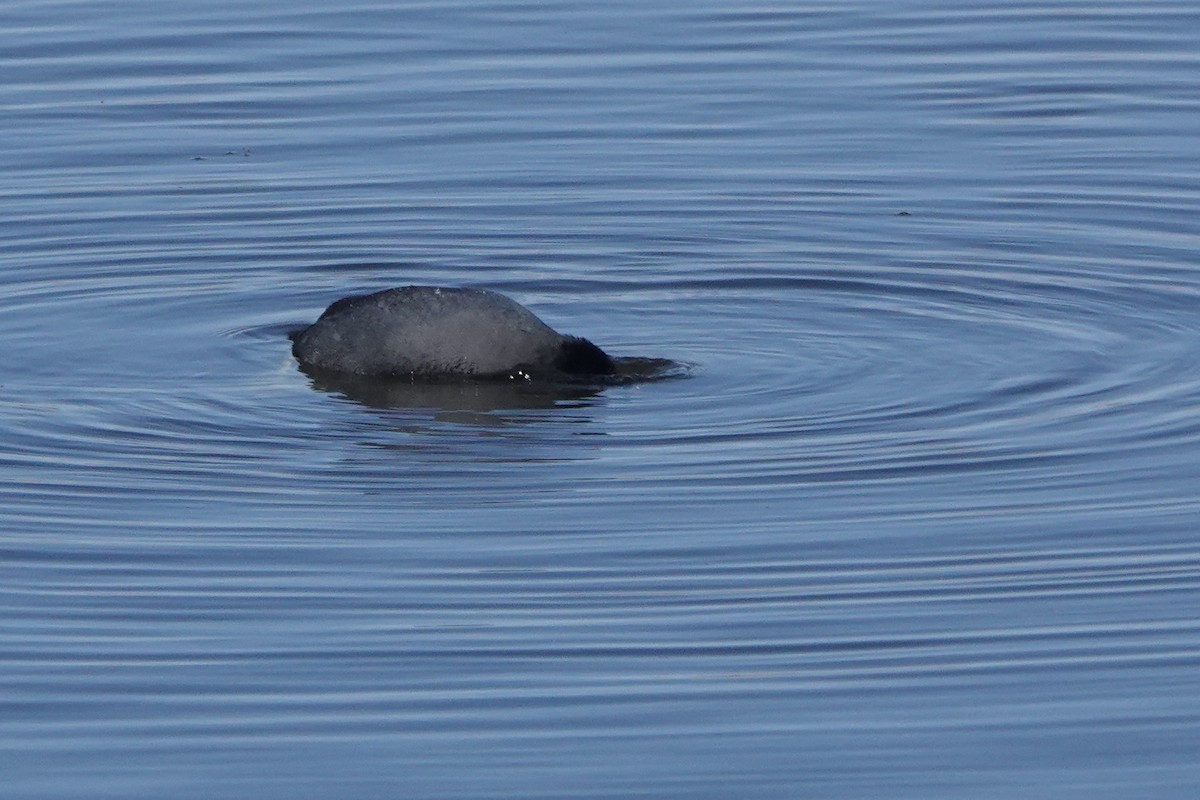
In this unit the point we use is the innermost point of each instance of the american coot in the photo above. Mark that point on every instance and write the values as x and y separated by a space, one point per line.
431 332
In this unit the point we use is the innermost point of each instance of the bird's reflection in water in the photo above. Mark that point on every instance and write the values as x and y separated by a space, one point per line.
479 397
460 396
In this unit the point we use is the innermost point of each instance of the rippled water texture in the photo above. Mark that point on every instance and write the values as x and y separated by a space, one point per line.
917 517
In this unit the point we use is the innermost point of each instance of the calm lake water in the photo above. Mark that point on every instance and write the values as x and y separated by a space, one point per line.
920 521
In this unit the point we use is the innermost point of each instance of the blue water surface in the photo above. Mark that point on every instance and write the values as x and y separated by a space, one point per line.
919 520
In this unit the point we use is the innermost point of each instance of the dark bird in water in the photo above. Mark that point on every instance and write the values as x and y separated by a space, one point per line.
433 332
